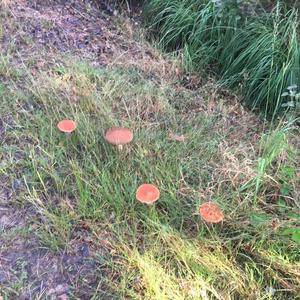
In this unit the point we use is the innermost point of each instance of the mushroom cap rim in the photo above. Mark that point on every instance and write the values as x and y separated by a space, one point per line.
153 189
119 135
67 125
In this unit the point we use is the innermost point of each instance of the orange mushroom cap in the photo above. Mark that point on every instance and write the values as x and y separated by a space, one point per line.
67 126
119 136
147 193
211 212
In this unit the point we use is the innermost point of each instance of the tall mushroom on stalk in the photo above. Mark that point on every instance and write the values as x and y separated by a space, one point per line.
211 212
147 193
66 126
119 136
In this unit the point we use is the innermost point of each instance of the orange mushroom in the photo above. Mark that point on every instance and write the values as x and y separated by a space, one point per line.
147 193
211 212
119 136
67 126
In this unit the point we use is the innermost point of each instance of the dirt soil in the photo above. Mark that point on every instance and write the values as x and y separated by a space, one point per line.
90 31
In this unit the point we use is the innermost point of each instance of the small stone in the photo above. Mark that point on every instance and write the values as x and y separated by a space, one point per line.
4 222
84 250
3 279
58 290
17 183
272 291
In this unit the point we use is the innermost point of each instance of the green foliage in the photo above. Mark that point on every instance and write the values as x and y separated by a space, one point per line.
294 233
256 54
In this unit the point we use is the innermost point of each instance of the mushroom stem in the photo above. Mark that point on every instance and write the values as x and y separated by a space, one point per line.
152 212
68 136
120 147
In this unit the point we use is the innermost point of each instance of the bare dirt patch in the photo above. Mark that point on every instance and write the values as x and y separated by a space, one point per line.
29 270
44 29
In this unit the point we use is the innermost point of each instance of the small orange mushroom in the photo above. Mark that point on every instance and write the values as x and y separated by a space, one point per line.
119 136
67 126
147 193
211 212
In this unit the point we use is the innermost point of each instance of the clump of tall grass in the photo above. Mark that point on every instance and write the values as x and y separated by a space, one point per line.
256 54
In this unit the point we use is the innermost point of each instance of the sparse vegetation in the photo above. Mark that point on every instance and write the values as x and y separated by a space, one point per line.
70 223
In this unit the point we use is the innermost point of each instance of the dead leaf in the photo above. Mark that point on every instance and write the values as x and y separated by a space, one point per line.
33 226
62 297
177 72
275 224
176 137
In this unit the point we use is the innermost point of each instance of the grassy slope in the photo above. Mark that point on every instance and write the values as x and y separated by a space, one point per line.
80 183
